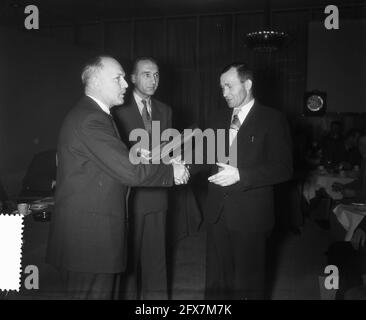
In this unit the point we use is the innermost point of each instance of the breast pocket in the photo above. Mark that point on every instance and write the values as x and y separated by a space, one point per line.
251 146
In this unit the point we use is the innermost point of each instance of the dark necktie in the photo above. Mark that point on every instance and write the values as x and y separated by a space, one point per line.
146 117
235 123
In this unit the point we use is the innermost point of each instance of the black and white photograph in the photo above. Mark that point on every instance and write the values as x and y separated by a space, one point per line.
192 151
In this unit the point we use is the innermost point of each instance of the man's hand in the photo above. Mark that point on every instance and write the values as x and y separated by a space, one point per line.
358 238
181 174
226 176
177 160
146 154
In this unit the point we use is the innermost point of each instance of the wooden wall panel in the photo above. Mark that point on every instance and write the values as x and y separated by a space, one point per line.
215 41
90 36
191 50
290 62
181 43
118 40
150 39
64 33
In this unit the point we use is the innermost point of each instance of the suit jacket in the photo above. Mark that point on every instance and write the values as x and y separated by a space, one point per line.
264 158
87 231
128 118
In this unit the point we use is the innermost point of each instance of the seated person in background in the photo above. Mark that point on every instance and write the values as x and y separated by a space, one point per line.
350 258
40 175
332 143
359 236
349 155
357 188
313 155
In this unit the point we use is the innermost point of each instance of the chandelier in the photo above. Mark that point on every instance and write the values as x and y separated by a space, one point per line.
268 39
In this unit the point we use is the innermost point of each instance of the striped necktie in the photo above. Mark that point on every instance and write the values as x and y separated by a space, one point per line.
146 117
235 122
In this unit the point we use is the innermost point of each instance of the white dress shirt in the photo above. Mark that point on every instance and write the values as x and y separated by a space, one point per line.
242 112
140 105
101 104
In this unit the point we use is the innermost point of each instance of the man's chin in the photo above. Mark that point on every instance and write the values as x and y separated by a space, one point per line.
120 102
151 92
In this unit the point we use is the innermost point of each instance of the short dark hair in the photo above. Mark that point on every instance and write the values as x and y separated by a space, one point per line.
92 66
243 70
139 59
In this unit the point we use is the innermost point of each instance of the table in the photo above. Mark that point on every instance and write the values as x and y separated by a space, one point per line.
349 216
318 180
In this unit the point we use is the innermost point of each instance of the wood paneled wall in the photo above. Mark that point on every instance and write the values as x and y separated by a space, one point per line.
191 50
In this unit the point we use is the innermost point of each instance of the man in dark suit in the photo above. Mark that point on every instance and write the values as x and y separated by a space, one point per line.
87 238
239 210
148 205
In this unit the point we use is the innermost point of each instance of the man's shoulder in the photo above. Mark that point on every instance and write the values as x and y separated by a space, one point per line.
266 109
163 107
268 113
126 108
84 110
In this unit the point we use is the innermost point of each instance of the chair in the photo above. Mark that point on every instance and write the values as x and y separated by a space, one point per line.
38 181
320 208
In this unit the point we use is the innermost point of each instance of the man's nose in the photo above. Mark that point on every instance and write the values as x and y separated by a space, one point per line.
124 83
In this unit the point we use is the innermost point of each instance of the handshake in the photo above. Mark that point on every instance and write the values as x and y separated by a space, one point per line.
181 173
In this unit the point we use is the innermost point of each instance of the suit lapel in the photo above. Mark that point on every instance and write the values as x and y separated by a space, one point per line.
93 104
136 118
156 112
115 128
248 123
246 129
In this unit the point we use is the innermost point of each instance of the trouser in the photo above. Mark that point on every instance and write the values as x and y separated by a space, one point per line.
235 263
148 277
91 286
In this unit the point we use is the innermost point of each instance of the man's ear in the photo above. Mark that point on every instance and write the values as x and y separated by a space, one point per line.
133 78
94 81
248 84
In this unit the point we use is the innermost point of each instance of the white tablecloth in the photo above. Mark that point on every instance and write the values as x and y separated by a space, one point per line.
349 216
317 181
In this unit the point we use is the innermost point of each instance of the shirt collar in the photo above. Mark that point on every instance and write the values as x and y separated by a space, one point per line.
102 105
139 103
243 110
244 107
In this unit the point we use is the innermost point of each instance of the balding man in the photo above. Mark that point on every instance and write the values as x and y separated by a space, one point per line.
87 238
